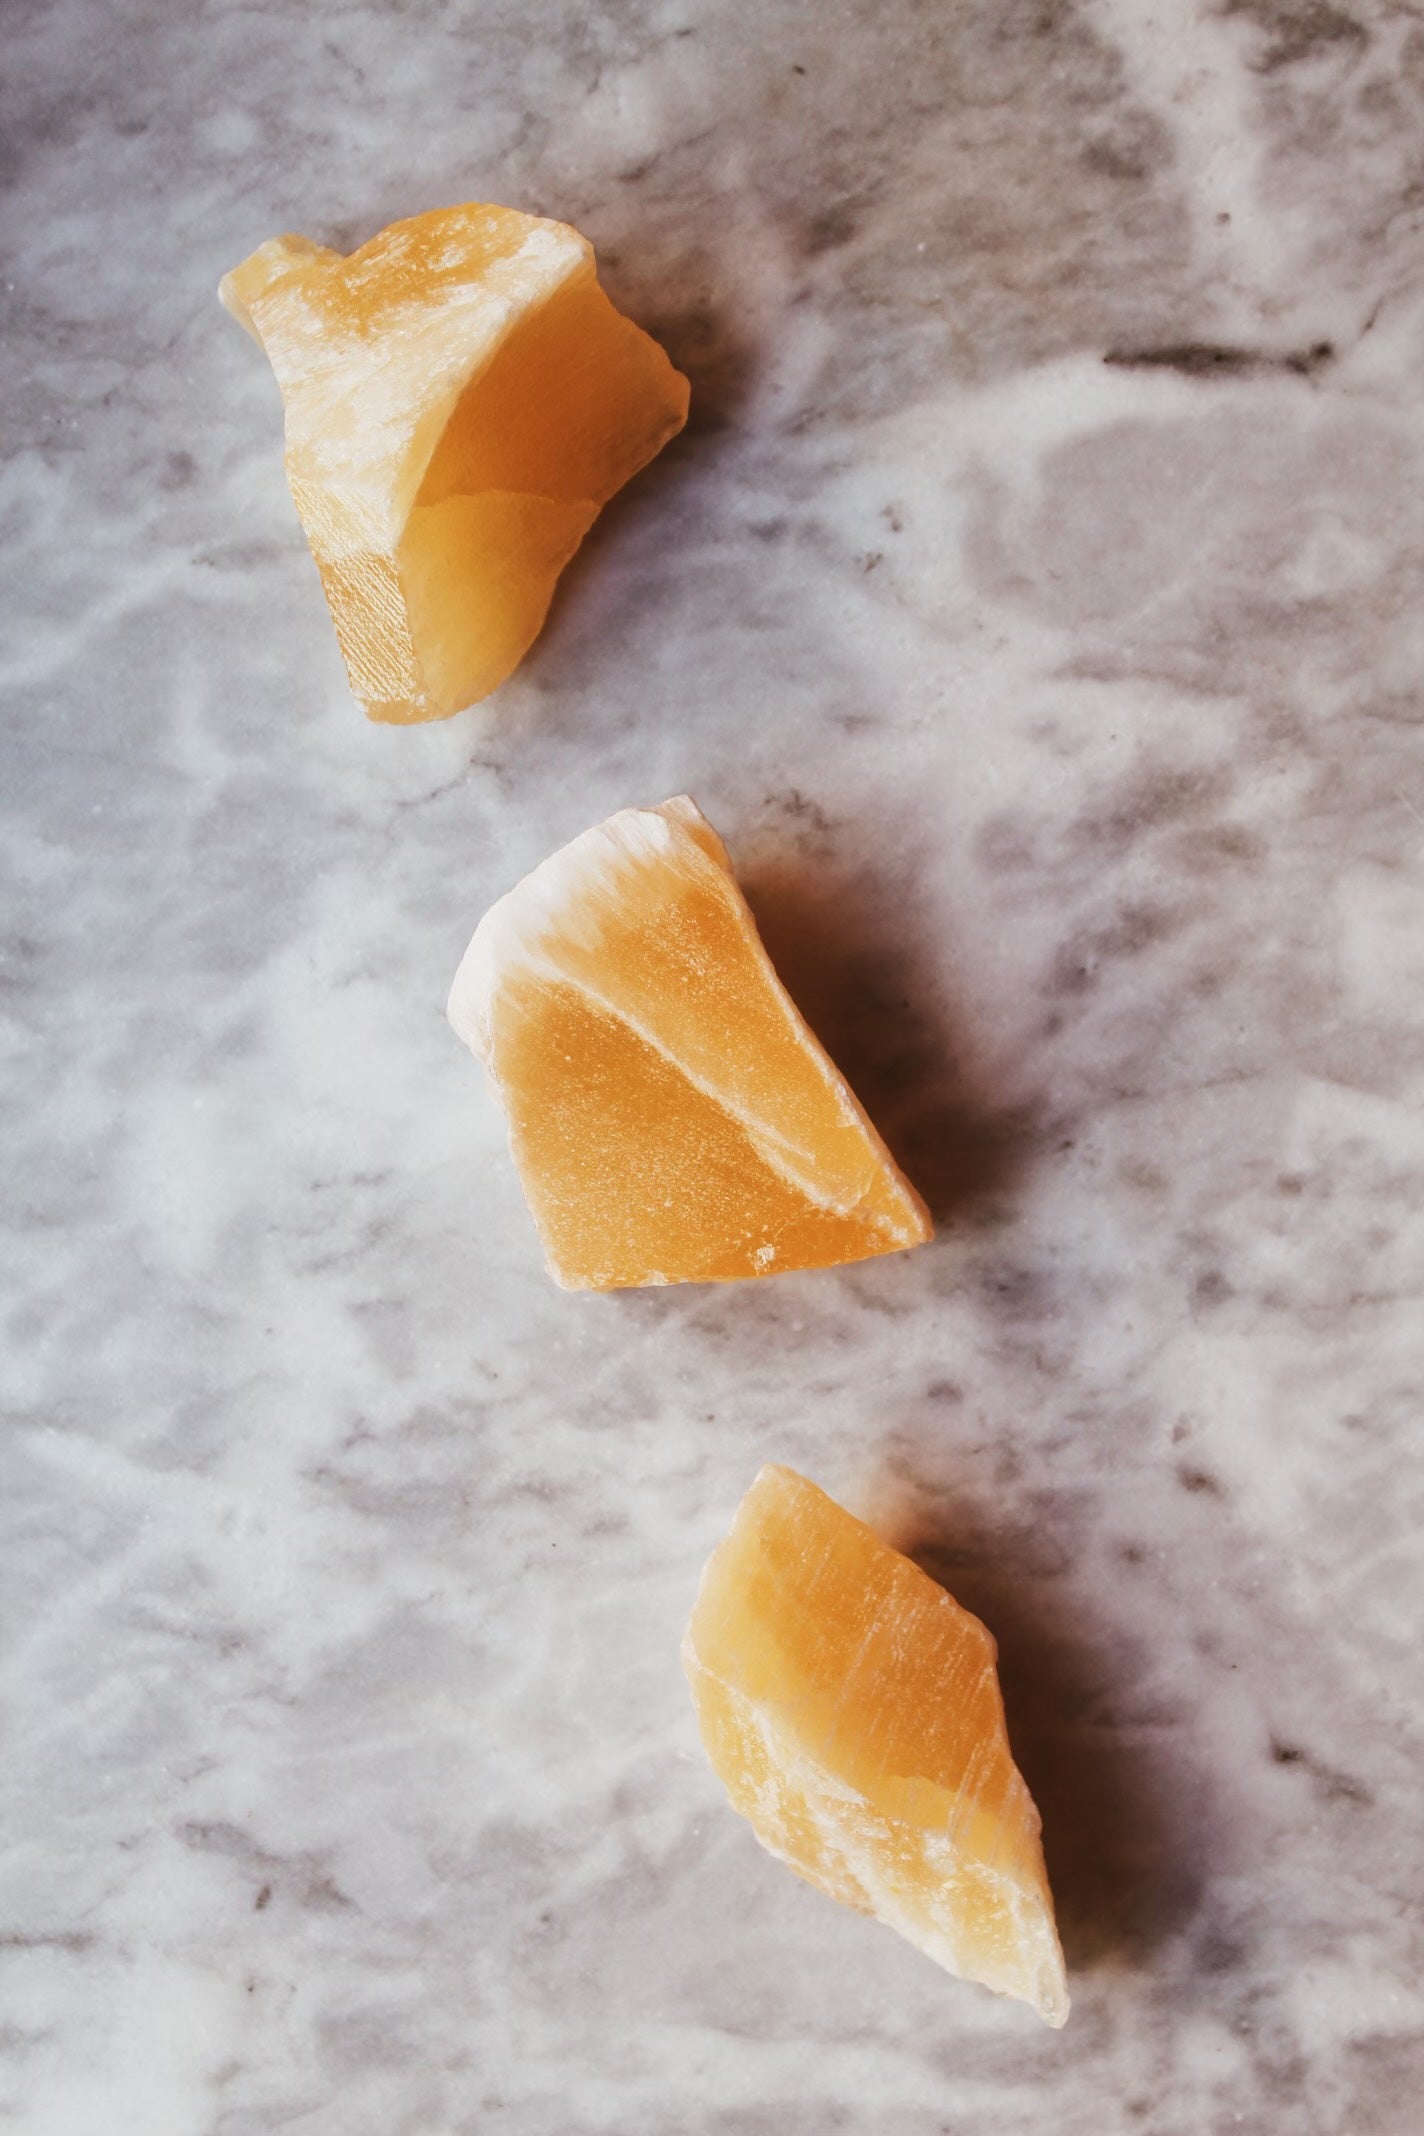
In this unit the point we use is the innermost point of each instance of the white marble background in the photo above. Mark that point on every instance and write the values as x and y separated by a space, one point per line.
1037 607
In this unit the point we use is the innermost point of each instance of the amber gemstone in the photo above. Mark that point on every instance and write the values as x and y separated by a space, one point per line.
672 1117
851 1709
461 399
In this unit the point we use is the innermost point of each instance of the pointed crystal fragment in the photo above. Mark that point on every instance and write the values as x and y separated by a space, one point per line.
851 1709
672 1117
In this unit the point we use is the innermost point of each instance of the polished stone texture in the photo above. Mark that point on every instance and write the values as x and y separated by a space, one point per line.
1036 605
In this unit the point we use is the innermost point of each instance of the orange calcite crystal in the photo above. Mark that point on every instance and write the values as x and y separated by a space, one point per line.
461 398
852 1711
672 1117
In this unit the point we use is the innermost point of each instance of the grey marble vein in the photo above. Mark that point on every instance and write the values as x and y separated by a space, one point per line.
1036 604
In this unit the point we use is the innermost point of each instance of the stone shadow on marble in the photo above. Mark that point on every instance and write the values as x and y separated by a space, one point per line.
865 995
1123 1821
718 365
717 361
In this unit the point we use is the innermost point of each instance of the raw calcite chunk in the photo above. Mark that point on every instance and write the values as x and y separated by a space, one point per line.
461 398
852 1710
672 1117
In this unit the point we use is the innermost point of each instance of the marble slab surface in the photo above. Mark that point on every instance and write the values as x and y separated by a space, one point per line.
1036 605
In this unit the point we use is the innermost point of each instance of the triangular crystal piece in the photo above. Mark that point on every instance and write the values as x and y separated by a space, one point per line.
672 1117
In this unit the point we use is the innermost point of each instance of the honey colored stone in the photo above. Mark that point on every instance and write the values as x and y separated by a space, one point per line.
461 399
672 1117
851 1709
